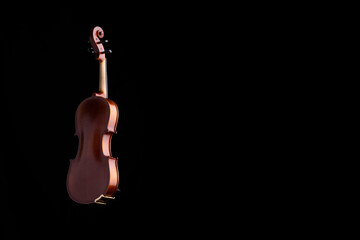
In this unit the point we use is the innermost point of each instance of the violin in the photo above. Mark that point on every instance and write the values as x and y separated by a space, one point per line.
93 175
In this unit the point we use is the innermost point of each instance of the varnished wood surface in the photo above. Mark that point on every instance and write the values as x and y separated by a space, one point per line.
95 35
94 172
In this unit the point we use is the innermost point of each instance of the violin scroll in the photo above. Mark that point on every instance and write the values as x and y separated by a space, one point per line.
97 45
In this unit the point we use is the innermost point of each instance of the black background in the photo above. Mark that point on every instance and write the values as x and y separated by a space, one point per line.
179 133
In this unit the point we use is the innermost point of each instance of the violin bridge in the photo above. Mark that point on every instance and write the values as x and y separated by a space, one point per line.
103 199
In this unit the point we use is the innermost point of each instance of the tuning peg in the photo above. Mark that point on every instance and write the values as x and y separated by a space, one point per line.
91 50
108 51
105 41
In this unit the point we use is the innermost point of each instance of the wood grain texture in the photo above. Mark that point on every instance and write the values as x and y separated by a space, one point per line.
94 172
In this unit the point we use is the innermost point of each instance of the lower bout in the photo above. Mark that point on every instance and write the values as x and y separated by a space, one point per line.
114 177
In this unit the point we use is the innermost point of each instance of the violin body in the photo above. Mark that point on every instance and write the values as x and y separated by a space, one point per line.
93 174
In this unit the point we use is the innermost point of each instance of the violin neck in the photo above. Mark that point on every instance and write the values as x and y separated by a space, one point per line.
103 86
